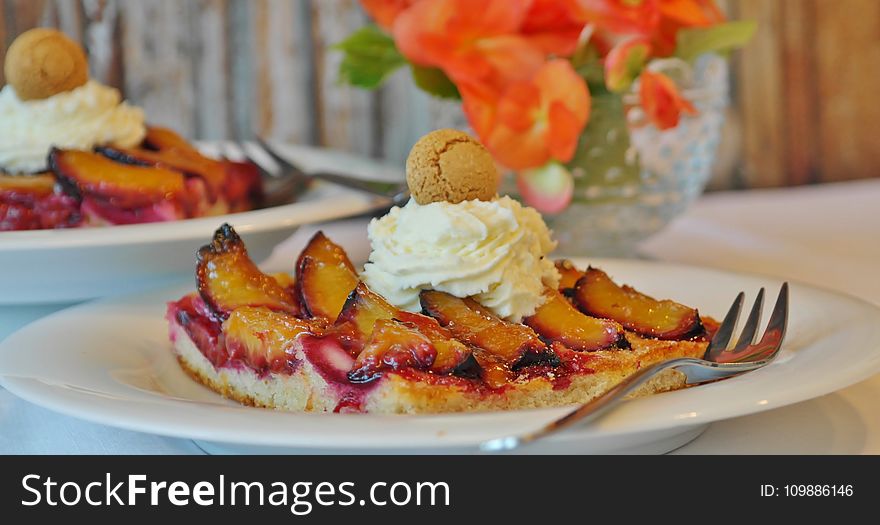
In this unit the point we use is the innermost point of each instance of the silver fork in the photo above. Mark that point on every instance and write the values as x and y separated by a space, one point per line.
290 180
280 186
717 363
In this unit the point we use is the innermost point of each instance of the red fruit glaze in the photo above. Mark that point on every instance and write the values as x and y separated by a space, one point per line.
54 211
203 328
333 362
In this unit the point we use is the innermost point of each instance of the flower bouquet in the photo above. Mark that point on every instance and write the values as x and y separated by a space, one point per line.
603 104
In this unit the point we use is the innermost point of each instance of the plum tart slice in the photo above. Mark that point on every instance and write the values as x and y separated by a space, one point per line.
322 341
163 179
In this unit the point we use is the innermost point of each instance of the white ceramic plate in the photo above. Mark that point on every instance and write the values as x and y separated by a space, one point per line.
64 266
110 362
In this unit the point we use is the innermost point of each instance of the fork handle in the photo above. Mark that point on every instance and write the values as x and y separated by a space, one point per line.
697 371
586 412
380 188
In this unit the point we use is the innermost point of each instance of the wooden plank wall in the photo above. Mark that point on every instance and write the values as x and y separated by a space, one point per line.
804 90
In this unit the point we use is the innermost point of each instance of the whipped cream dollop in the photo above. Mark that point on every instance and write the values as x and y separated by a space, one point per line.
81 118
495 251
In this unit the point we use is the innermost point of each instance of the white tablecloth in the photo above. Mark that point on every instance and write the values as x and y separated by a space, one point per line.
826 235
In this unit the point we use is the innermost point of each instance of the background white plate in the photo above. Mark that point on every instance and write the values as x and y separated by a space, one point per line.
63 266
110 362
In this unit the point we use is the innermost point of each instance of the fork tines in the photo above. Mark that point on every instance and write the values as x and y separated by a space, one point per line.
745 347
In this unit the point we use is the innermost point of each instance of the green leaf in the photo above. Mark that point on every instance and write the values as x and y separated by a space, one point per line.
434 81
691 43
370 56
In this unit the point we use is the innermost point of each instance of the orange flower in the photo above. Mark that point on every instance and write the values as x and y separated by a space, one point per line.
661 100
384 12
691 13
621 16
534 120
659 20
680 14
479 102
553 26
471 43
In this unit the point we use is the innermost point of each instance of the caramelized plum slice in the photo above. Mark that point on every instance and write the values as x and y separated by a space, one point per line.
360 312
213 172
392 345
241 183
364 308
124 185
227 278
597 295
325 278
451 354
163 139
492 369
569 275
37 185
243 187
413 343
262 337
285 280
515 344
324 250
558 321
